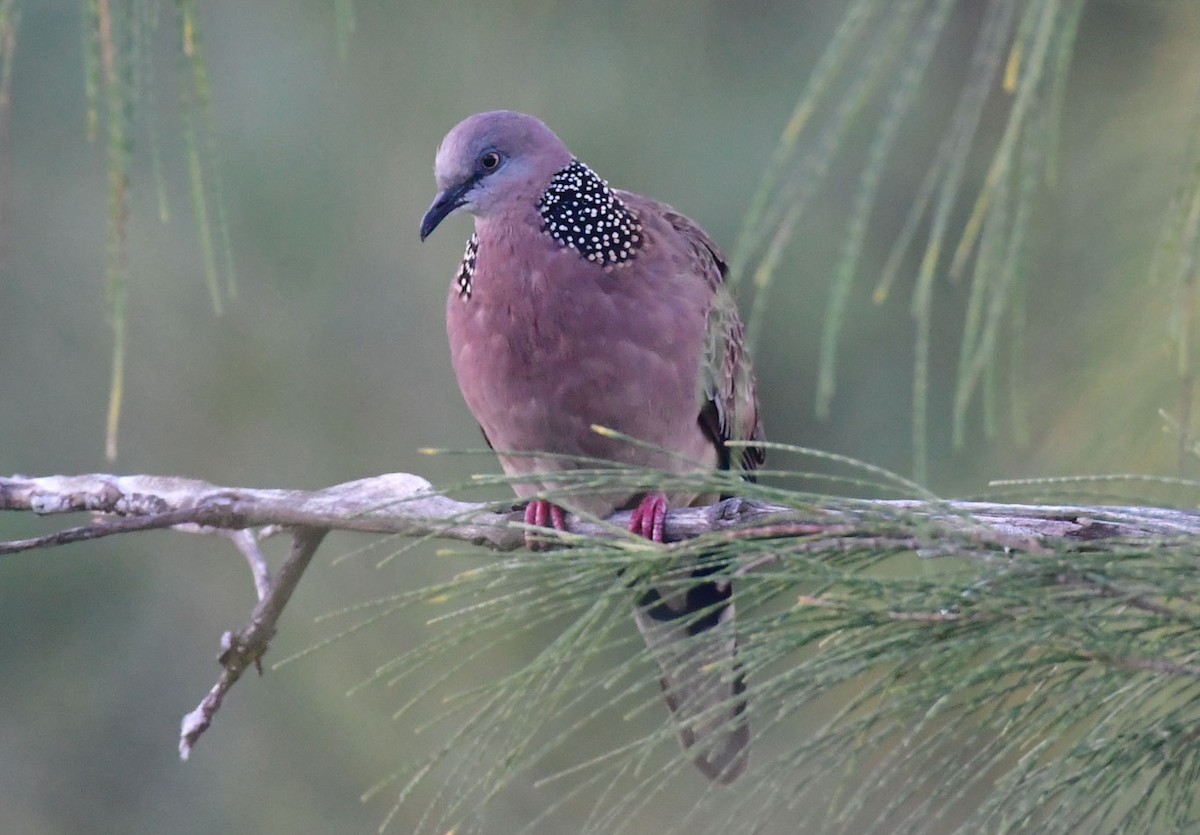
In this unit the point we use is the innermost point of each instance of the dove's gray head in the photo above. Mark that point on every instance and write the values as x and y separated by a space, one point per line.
491 163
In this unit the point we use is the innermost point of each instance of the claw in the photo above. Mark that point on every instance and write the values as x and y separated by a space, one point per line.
543 514
649 517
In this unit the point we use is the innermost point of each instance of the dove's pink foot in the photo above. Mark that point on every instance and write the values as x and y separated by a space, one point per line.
544 514
649 517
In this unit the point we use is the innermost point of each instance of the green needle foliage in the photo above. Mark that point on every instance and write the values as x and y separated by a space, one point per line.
871 78
903 676
1176 265
119 37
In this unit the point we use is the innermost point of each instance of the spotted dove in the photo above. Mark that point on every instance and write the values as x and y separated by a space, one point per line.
578 305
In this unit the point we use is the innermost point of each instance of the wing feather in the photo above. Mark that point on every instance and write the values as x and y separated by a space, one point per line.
729 407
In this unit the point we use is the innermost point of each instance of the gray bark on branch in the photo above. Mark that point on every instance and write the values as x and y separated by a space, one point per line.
405 504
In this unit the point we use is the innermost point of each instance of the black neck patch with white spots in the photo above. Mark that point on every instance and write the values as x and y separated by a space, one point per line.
466 270
579 210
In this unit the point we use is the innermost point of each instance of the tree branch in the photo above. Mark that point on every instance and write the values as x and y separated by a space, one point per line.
405 504
248 646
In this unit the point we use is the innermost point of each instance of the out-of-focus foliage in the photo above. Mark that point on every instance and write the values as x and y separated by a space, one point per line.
882 52
121 79
330 362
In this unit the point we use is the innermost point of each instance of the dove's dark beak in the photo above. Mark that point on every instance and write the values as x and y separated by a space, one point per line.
443 205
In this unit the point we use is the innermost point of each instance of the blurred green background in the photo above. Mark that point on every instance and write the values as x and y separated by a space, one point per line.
331 365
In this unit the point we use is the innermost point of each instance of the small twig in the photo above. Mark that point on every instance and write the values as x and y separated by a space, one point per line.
890 614
98 530
1135 601
250 644
247 543
1148 665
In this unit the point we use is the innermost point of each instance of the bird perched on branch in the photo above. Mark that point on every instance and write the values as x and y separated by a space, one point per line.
578 306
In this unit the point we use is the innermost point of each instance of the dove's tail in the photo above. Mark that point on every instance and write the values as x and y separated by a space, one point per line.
690 633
